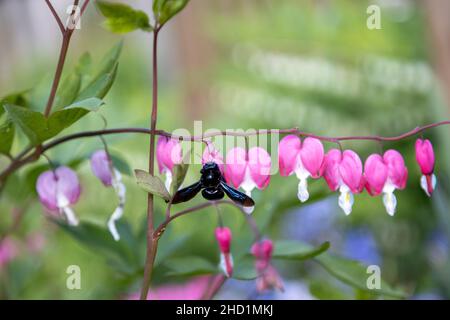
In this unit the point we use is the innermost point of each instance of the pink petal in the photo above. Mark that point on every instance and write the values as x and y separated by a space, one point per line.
288 150
173 154
397 171
46 189
259 164
312 155
350 170
101 168
160 152
223 236
330 168
375 173
211 154
236 164
425 156
68 184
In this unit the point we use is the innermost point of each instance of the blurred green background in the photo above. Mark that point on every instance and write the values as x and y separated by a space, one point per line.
240 64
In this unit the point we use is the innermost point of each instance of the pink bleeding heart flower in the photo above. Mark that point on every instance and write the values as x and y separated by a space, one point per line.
168 154
305 160
212 154
223 236
268 277
386 174
425 159
103 169
57 190
343 171
248 171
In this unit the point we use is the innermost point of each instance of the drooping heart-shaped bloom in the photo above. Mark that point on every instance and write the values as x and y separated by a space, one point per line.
212 154
248 170
425 159
268 277
57 190
103 168
386 174
305 160
168 154
343 171
223 236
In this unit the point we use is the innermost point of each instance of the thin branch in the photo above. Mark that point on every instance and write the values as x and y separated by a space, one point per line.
55 15
21 160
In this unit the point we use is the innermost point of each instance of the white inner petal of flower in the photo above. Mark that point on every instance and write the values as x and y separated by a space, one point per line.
223 263
120 190
346 199
302 174
70 216
169 179
248 185
424 184
390 202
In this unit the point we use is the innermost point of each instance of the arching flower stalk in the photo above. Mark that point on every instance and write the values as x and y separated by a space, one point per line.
57 190
425 159
268 277
343 171
223 236
248 170
305 160
168 154
104 170
385 174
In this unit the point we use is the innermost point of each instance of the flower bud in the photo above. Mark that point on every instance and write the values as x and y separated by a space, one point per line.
223 236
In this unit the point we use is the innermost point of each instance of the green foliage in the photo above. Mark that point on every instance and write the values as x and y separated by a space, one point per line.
295 250
354 274
151 184
6 136
189 266
120 163
164 10
179 173
38 128
121 18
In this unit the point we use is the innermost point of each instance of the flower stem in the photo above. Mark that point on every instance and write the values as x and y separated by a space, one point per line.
152 242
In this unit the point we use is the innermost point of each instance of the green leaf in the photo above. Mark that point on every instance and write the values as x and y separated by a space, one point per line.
100 86
6 136
164 10
68 91
151 184
189 266
244 269
17 98
38 128
97 238
295 250
120 164
121 18
179 173
354 274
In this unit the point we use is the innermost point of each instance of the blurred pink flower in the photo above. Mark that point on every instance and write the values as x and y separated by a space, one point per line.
305 160
268 277
57 190
426 160
343 172
248 171
8 251
386 174
168 154
223 236
35 242
194 289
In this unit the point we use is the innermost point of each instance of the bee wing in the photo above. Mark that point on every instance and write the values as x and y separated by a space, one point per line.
187 193
237 196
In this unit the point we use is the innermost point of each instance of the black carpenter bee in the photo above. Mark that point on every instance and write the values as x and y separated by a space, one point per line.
213 187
